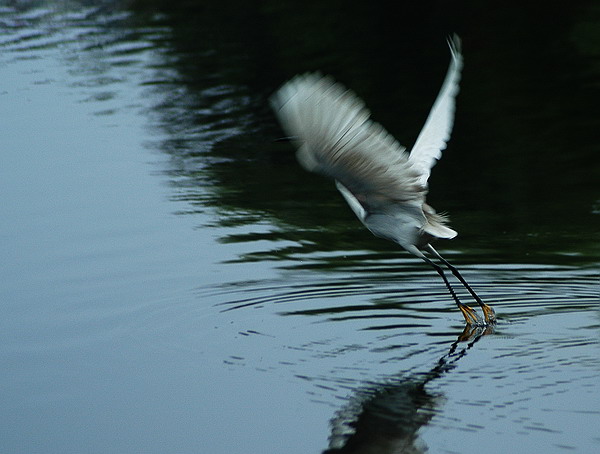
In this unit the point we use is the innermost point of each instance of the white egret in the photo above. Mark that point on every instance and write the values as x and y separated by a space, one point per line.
384 185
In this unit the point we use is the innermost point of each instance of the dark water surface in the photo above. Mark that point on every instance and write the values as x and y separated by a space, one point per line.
172 280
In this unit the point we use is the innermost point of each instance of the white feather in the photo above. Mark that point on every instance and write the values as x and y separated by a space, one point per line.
436 132
335 137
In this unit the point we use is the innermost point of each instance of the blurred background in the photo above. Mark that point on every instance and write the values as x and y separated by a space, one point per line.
522 166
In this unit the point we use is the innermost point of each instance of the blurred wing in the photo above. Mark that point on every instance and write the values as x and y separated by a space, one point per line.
436 132
330 126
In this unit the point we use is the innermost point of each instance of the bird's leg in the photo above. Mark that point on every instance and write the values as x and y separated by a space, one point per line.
488 313
469 314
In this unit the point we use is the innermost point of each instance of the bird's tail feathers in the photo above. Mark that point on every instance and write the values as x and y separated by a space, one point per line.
435 224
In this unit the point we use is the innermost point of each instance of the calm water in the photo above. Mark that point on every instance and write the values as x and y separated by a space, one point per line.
172 281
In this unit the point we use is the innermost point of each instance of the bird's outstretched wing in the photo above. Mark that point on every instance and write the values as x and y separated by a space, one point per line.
436 132
335 137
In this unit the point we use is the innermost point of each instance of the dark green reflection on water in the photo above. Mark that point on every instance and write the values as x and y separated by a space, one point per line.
520 177
386 417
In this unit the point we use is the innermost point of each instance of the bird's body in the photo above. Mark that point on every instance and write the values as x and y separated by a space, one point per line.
384 185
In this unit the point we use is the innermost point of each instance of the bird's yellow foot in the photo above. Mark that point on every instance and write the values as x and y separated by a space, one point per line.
488 314
470 315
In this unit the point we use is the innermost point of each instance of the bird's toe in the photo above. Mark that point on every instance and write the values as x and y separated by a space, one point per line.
470 316
488 314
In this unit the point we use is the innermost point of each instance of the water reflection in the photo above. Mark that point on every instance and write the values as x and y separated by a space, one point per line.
252 181
385 418
218 65
208 70
387 412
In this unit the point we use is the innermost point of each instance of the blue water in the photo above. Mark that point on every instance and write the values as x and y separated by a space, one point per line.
173 282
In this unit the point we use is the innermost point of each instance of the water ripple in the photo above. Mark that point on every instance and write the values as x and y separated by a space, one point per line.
515 292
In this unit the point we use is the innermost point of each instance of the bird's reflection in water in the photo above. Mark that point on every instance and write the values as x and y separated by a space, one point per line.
385 418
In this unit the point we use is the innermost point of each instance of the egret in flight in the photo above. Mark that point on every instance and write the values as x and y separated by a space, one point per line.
384 184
